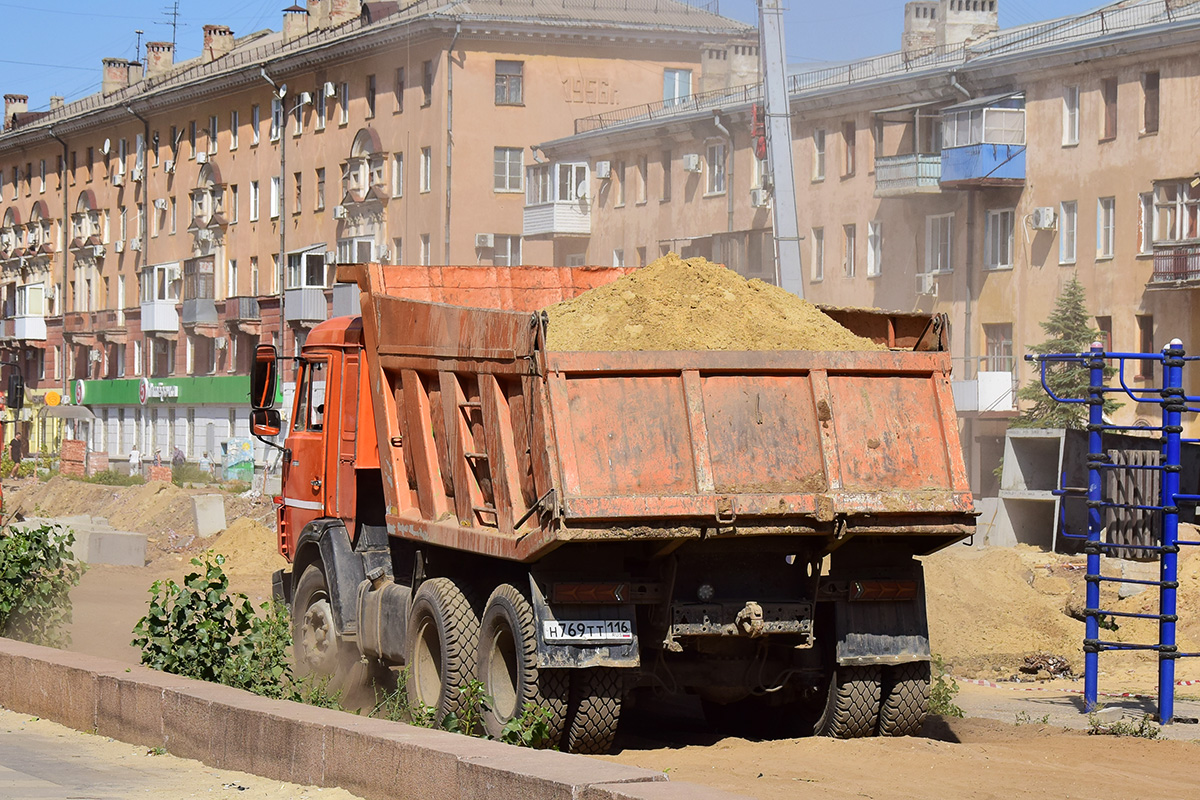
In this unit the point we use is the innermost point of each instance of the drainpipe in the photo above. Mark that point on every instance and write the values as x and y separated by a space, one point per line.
450 129
959 87
144 255
282 221
970 372
728 170
62 292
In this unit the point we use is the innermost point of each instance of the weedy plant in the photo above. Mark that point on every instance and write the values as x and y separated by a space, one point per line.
942 689
37 572
1143 728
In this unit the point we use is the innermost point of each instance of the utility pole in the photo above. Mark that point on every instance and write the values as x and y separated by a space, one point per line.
777 110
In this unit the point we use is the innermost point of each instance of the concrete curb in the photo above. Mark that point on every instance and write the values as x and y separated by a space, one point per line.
232 729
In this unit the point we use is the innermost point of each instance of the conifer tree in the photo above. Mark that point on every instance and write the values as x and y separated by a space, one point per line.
1068 330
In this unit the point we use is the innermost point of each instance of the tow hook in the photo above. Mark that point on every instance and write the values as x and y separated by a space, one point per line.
750 619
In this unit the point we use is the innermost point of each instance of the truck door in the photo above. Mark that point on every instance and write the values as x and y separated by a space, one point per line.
303 489
344 436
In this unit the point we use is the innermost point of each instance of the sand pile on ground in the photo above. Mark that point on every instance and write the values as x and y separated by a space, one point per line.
693 304
250 548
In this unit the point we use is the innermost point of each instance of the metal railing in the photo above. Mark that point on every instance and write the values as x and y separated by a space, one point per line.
1176 264
906 173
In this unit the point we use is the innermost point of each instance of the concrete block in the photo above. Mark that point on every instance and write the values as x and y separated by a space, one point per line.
209 513
657 791
61 688
515 772
1138 571
124 548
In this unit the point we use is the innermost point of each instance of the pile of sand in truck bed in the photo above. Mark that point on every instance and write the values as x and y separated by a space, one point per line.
693 304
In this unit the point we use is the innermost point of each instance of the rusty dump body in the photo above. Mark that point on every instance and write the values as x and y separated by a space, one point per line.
492 444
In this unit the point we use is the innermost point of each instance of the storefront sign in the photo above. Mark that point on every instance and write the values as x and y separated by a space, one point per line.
155 391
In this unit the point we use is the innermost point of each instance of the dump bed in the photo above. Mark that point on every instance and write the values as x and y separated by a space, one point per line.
490 443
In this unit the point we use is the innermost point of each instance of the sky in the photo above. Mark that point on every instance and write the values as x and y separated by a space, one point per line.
54 48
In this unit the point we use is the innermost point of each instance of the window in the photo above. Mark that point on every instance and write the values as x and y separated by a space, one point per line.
397 174
42 176
426 83
310 404
507 252
849 247
276 118
1104 325
1145 325
398 91
276 196
1145 232
618 173
1108 94
619 257
716 168
298 206
818 254
253 201
122 154
1106 211
998 239
939 240
322 108
506 169
344 104
213 130
305 270
231 279
255 124
665 157
849 135
425 249
643 170
999 348
818 173
297 118
233 130
1070 116
199 282
1068 223
877 140
254 275
233 202
510 83
320 188
1176 211
874 249
1150 102
370 96
677 86
174 216
426 168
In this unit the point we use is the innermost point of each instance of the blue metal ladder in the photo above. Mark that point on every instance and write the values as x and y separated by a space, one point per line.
1172 400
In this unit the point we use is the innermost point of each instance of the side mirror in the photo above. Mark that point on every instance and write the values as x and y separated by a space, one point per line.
16 391
264 422
262 378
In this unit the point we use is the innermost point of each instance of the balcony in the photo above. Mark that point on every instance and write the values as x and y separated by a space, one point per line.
915 173
346 302
1176 267
199 311
30 327
983 142
558 218
160 316
306 305
242 309
110 325
983 165
80 326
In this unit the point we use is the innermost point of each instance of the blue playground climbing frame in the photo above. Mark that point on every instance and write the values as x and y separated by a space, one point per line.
1174 403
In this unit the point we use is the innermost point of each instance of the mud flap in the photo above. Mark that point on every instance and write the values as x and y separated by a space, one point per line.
578 656
882 632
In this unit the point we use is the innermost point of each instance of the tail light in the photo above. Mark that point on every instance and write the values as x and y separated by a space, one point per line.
883 590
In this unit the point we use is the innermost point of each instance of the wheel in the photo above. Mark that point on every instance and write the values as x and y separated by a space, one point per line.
852 703
442 638
905 699
317 649
507 664
595 710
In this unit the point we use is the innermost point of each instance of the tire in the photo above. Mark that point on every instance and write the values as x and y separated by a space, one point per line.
507 665
442 640
904 699
595 710
316 647
852 703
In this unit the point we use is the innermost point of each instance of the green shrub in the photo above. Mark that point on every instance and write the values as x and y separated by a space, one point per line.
37 572
942 689
189 473
28 466
1144 728
110 477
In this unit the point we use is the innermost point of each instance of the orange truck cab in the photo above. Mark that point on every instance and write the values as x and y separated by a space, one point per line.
573 529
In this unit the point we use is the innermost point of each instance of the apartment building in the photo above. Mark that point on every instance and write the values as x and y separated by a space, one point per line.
971 173
151 235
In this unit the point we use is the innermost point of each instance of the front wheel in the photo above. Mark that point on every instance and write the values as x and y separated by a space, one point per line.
316 646
442 640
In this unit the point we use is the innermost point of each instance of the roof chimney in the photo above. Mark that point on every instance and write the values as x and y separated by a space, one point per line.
57 102
318 13
295 23
14 104
964 21
342 11
920 28
116 75
218 40
160 58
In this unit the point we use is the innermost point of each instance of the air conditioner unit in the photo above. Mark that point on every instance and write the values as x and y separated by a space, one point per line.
135 243
161 204
383 255
485 241
691 162
339 212
927 284
1043 218
136 174
97 251
202 157
94 356
305 98
330 89
118 179
331 256
220 343
603 170
759 198
119 245
169 166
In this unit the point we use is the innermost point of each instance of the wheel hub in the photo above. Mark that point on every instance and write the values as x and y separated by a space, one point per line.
319 636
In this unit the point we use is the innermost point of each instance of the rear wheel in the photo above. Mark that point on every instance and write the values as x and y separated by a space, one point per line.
508 666
905 699
442 639
851 704
595 710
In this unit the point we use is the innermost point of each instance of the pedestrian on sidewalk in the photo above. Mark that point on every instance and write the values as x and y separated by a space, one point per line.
16 451
135 461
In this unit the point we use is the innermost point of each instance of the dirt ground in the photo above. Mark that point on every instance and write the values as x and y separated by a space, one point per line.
989 611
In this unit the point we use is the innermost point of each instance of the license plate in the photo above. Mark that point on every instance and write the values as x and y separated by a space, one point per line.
587 631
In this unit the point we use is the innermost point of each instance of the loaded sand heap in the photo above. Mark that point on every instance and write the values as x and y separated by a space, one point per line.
693 304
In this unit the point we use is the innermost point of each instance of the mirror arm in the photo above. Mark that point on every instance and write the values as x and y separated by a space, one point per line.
269 443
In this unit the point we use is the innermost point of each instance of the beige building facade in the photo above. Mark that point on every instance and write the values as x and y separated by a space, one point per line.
973 173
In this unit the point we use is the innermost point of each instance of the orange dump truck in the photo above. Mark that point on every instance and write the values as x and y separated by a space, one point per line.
575 528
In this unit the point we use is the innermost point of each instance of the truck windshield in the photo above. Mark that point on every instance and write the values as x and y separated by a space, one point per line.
310 406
